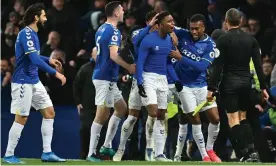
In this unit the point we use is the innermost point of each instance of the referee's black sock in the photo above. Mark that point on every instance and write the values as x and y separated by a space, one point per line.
237 134
248 135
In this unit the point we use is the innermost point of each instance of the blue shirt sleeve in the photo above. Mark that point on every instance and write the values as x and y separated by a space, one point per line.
181 32
45 58
143 53
28 42
139 35
115 39
171 70
206 60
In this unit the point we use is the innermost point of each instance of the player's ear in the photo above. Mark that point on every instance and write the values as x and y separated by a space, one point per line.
36 18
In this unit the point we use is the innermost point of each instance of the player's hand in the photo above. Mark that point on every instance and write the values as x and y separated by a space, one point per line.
55 63
125 78
153 20
265 94
132 68
79 107
178 86
175 54
259 107
174 39
61 78
81 52
142 91
210 96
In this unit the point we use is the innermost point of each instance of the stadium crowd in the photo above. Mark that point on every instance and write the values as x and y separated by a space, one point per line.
69 36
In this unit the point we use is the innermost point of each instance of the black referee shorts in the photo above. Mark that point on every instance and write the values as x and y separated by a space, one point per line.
237 95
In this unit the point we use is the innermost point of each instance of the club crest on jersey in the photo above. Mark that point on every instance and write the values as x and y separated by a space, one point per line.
200 50
156 48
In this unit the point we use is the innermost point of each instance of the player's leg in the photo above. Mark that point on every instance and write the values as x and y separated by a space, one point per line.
41 101
230 103
182 134
159 125
20 106
212 114
103 100
127 127
119 112
213 130
189 101
253 155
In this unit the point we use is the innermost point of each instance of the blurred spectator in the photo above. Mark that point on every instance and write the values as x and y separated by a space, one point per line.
62 18
256 30
267 69
60 94
244 20
214 18
5 85
12 29
5 73
256 8
245 28
160 6
53 43
20 9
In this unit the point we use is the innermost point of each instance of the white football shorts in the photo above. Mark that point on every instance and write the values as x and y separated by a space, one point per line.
156 88
26 95
192 97
107 93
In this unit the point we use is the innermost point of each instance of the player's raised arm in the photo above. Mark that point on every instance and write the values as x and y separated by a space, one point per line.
136 39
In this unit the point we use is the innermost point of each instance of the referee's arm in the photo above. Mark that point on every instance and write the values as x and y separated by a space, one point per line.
217 66
256 58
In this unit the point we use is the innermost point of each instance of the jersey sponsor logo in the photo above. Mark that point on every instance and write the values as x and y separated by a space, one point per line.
191 55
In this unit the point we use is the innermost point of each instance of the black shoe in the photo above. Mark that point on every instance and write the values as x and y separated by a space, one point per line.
253 157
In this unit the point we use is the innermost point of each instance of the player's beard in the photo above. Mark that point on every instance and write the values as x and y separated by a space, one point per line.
40 24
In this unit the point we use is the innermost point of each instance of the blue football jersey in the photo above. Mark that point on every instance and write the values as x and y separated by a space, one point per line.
106 69
153 55
25 71
197 56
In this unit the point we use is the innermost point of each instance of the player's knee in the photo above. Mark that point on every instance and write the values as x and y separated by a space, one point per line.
48 113
21 119
195 120
161 114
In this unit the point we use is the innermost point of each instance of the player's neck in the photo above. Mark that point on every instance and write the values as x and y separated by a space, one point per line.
112 21
161 33
33 27
232 27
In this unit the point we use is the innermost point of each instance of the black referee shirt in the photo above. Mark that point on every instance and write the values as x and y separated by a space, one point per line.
236 49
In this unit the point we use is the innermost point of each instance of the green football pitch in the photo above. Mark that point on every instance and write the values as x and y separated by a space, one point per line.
82 162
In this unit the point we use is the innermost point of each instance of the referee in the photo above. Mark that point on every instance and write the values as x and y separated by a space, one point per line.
236 49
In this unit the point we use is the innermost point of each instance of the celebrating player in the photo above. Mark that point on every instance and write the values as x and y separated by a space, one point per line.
151 77
134 98
198 52
108 40
27 90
